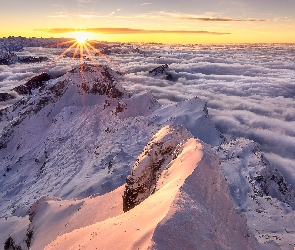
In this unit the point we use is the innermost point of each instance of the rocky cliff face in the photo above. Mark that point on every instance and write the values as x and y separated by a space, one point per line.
148 167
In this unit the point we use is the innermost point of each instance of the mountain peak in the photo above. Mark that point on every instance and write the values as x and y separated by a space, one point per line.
96 79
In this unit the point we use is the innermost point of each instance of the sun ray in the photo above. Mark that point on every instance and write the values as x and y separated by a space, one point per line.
82 64
82 47
62 43
58 57
92 60
75 52
101 54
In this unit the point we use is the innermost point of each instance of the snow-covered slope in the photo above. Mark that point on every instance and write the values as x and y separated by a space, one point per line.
80 134
259 191
190 208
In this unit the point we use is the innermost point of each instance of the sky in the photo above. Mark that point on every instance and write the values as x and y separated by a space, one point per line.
165 21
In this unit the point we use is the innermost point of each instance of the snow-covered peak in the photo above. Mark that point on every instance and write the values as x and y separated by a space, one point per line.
96 79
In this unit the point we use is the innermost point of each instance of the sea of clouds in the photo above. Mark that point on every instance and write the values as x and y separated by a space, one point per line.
249 89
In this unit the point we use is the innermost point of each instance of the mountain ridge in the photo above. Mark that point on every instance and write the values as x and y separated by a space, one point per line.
65 132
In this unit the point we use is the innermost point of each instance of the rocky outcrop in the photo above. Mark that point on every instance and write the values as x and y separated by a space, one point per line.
104 84
159 70
156 155
33 83
162 70
8 58
263 178
10 244
5 97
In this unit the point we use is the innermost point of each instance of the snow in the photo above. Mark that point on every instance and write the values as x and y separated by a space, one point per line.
67 149
16 227
146 225
259 191
71 143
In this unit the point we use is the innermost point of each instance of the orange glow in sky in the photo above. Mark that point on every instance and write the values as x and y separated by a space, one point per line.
167 21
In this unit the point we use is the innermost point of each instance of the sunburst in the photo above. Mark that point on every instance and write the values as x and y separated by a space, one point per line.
83 48
81 37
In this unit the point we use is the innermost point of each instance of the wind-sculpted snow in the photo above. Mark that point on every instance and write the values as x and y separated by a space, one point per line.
260 191
80 134
190 208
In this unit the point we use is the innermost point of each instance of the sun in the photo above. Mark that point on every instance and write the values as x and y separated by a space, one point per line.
81 37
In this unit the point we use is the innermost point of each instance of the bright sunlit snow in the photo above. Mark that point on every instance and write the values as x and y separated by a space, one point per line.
81 132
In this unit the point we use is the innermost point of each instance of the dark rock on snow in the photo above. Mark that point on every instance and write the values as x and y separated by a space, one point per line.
33 83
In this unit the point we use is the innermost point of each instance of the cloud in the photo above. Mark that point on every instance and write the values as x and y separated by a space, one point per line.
126 31
164 15
145 4
114 12
86 1
216 19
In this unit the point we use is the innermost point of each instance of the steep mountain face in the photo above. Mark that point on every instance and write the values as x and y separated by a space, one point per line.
156 155
190 208
259 191
79 134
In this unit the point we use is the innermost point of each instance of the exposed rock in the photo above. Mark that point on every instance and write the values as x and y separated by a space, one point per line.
33 83
159 152
8 58
10 244
104 84
163 71
264 179
159 70
5 97
169 77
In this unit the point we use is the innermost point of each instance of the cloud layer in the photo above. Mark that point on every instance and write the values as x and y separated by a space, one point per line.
129 31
